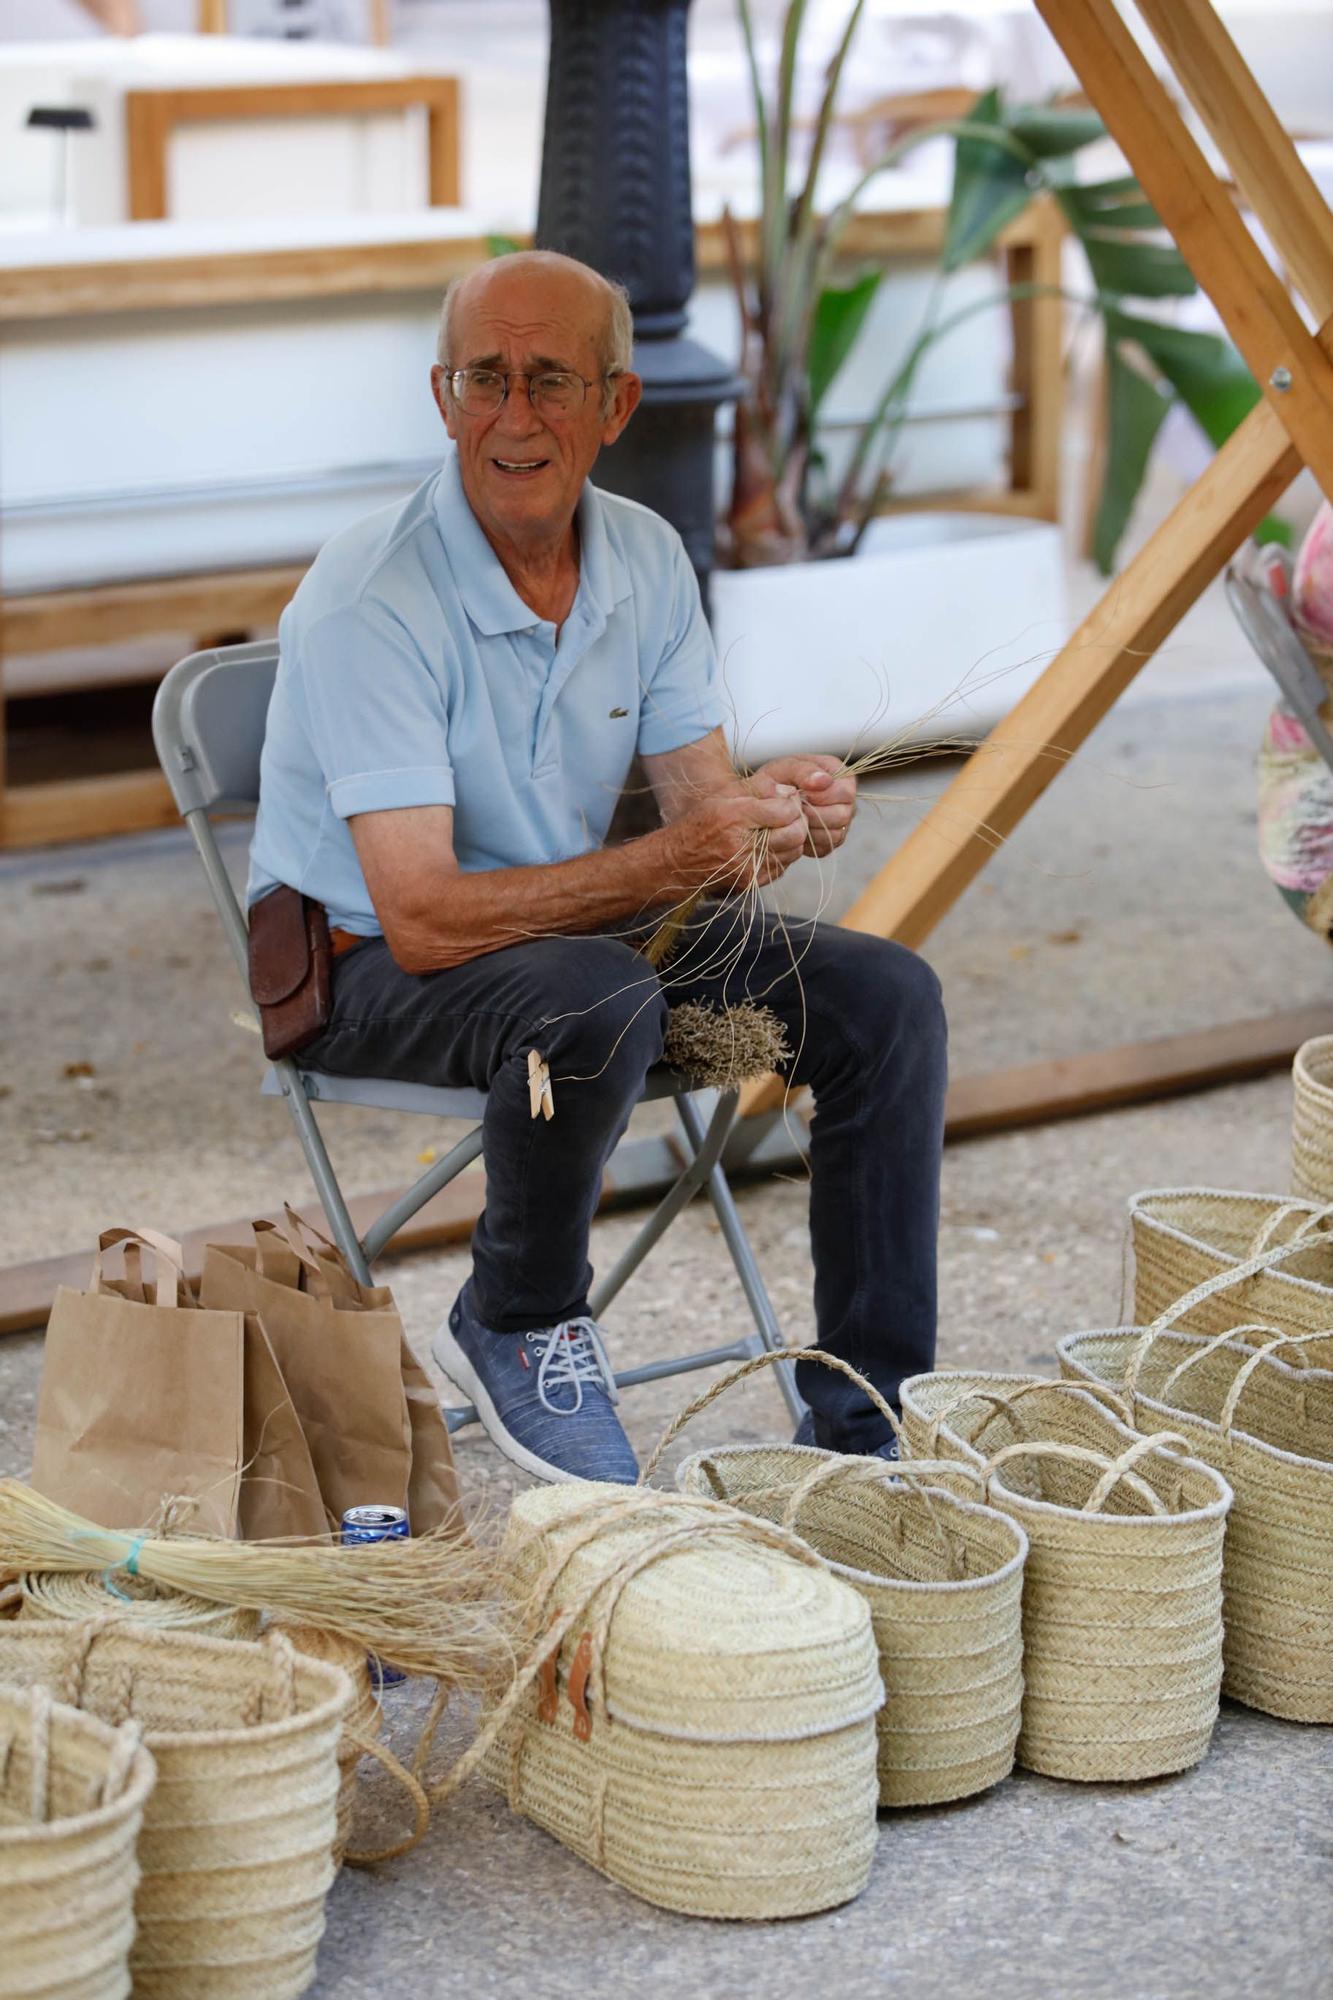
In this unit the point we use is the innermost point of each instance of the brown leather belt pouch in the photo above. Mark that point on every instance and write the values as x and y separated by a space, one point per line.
290 981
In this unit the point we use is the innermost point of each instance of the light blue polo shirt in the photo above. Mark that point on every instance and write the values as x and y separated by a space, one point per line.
413 674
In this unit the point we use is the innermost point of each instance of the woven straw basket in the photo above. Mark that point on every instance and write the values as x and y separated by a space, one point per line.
72 1793
1265 1421
78 1596
1312 1120
698 1721
1208 1260
1122 1601
943 1578
237 1835
944 1581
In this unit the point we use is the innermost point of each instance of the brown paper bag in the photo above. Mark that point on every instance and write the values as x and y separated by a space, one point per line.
370 1416
144 1395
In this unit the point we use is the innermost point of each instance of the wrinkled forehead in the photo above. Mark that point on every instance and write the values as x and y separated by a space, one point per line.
533 321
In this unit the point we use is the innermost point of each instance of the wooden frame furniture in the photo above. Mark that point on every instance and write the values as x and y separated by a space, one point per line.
151 116
1291 427
236 601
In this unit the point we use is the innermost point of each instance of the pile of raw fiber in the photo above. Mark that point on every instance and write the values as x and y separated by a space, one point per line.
720 1048
431 1605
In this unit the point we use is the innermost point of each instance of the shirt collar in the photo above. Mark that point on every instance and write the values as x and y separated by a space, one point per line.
488 597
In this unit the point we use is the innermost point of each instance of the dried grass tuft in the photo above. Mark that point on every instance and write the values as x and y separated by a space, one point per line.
721 1048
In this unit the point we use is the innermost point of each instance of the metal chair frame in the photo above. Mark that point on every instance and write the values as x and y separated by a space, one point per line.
209 719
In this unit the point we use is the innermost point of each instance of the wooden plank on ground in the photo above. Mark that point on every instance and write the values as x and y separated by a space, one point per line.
999 1101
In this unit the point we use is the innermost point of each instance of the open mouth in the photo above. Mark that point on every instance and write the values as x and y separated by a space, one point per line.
520 468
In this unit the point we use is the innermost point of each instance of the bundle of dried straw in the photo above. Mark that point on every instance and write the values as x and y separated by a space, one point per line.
430 1605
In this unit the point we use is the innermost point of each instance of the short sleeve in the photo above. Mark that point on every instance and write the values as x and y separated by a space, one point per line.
378 718
682 694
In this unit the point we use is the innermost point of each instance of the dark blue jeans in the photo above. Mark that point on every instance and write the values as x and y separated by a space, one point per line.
865 1022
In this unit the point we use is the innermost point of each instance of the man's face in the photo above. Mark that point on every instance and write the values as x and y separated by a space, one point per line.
523 471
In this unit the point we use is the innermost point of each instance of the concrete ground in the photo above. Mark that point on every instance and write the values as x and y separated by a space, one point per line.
1129 904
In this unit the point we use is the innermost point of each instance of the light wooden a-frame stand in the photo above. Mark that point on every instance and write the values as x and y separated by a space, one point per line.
1291 427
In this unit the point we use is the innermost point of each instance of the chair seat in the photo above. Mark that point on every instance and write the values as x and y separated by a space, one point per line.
389 1094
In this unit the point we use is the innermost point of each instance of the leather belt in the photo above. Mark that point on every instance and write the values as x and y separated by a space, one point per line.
344 941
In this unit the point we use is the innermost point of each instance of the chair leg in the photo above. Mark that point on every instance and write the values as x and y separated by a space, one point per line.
321 1169
742 1256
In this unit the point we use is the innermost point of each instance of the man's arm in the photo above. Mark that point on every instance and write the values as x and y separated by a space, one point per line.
435 914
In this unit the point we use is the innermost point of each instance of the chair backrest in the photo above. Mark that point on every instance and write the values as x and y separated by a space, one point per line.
208 726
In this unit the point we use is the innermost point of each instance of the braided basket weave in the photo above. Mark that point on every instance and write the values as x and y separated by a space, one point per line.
1267 1426
944 1581
702 1726
1207 1260
1312 1120
237 1835
72 1793
1122 1601
78 1596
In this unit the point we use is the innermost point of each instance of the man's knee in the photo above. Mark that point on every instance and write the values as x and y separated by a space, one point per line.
880 999
606 1012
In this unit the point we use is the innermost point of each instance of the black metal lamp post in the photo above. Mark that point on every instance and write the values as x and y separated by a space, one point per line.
615 192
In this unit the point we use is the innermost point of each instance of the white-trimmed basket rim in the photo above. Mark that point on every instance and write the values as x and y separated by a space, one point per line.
330 1709
1228 1257
1318 1049
1064 1347
1157 1522
872 1577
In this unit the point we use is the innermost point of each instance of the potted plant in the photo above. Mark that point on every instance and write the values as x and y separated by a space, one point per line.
800 543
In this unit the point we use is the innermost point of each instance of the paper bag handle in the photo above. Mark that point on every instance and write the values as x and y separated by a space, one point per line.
170 1287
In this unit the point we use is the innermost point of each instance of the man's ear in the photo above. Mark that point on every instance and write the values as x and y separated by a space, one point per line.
444 402
626 392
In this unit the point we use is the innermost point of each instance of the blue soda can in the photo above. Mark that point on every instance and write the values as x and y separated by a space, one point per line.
376 1524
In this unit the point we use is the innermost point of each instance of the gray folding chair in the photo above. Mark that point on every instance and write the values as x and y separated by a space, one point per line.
208 725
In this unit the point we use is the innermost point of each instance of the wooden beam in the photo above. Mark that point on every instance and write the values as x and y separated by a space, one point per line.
1254 304
1000 1101
957 835
442 140
1136 1073
106 614
1268 170
85 808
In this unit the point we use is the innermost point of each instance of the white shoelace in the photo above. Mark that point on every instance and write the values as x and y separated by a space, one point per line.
571 1353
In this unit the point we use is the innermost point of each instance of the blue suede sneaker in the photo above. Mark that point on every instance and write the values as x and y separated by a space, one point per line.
545 1398
805 1434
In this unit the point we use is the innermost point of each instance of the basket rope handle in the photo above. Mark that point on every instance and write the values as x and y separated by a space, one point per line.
1148 1340
738 1374
1113 1469
129 1736
1217 1340
1314 1219
370 1746
842 1471
39 1753
1248 1367
1100 1391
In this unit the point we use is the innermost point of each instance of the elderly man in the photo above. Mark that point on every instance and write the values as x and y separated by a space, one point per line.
463 683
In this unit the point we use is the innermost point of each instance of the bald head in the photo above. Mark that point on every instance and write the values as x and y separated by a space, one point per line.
536 278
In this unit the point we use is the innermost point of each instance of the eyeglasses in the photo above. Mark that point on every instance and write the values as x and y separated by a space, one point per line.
554 392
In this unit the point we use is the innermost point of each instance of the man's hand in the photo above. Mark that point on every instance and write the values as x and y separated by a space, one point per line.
712 843
828 796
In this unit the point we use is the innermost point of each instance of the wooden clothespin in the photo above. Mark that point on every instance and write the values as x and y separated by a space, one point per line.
540 1098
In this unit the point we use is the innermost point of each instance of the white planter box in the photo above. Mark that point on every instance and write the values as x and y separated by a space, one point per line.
933 630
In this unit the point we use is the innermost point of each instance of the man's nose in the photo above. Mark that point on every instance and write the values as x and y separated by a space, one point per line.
516 414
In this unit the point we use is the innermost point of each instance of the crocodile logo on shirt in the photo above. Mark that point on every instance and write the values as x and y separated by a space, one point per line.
616 714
